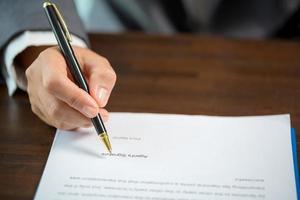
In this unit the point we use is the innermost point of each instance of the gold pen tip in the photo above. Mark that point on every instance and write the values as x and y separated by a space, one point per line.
105 139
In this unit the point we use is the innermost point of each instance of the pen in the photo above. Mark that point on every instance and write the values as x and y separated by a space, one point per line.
63 38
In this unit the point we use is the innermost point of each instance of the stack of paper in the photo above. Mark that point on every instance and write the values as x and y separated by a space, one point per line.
174 157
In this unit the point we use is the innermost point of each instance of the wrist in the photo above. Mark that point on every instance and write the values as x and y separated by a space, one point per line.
23 60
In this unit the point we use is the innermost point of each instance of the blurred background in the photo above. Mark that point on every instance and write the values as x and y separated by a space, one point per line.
230 18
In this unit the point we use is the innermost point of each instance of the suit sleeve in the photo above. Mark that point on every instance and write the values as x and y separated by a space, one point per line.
18 16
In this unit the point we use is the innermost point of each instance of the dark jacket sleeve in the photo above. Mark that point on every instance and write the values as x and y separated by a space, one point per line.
17 16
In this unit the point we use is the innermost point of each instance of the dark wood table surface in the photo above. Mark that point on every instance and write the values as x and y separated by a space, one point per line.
162 74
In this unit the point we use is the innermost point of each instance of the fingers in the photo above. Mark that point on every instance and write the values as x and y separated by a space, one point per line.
63 116
65 90
100 75
66 117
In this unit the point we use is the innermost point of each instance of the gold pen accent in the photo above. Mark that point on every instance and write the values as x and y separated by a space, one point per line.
46 3
60 18
105 139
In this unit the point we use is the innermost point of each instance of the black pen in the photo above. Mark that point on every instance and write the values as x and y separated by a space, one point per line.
63 38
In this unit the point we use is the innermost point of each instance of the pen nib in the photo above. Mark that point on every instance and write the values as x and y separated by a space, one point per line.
105 140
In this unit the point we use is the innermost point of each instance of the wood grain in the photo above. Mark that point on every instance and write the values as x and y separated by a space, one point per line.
161 74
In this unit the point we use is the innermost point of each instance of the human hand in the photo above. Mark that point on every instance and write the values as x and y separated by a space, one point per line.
57 100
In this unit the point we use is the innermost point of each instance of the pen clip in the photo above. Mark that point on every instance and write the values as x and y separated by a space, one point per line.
60 19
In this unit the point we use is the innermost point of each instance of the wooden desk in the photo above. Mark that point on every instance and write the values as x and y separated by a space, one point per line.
180 74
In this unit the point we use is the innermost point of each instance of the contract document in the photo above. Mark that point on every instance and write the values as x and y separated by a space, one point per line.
173 157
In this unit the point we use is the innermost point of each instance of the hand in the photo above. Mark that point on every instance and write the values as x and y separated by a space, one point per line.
57 100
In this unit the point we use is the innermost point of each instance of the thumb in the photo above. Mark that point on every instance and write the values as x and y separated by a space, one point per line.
100 74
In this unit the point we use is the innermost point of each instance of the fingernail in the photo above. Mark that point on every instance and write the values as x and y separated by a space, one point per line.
102 95
89 111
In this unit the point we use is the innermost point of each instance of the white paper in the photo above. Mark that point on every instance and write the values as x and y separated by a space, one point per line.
174 157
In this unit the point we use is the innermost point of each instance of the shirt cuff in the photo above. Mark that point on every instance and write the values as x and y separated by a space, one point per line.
19 44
